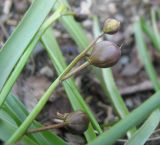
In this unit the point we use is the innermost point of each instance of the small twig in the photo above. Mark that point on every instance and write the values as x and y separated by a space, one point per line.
52 126
11 22
146 85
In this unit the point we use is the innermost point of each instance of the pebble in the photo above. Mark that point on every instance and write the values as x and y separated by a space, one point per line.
46 71
124 60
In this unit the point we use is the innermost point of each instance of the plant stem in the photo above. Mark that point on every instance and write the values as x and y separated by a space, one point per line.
53 18
76 70
80 56
70 13
48 127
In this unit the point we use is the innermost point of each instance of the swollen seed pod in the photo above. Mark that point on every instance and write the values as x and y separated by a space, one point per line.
104 54
77 122
111 26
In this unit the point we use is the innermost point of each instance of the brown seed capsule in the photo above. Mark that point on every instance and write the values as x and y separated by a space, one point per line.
104 54
80 17
77 122
111 26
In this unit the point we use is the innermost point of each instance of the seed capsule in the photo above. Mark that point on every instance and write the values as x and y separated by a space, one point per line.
77 122
105 54
111 26
80 17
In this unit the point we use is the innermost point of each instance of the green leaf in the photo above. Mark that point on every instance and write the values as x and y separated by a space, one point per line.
145 131
114 94
8 127
149 31
10 120
136 117
155 29
22 36
30 118
115 97
24 58
144 55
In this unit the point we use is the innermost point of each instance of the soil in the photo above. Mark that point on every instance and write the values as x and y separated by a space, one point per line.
129 73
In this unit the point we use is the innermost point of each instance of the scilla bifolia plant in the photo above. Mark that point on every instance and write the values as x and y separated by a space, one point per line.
101 54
